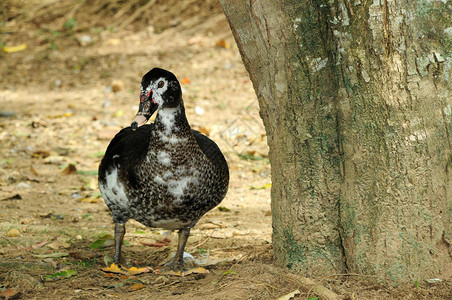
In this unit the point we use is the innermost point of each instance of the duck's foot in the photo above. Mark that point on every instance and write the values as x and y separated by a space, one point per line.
177 267
121 269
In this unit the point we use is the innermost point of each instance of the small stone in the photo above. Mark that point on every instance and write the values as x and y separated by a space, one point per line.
84 39
14 232
54 159
107 103
23 185
199 110
107 89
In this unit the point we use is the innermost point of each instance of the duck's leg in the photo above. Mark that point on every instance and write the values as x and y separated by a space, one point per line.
120 230
177 262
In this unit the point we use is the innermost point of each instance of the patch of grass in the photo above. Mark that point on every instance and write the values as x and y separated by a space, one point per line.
247 156
70 25
88 172
416 284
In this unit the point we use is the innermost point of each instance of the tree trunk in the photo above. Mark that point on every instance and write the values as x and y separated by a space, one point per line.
355 100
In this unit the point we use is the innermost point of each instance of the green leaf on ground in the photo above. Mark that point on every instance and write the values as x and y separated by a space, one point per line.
261 187
97 154
88 172
103 242
223 209
52 255
231 272
60 275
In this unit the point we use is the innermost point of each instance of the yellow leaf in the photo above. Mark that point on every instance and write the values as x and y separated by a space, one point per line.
89 200
136 271
114 268
12 49
118 113
261 187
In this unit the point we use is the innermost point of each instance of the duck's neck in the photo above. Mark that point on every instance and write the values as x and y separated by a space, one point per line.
172 122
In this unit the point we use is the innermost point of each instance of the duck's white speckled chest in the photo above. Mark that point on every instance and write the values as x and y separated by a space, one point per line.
172 178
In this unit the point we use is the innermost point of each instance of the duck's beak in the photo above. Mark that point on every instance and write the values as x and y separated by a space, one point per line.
145 111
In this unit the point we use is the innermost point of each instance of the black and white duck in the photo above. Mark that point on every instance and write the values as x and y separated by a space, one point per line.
164 174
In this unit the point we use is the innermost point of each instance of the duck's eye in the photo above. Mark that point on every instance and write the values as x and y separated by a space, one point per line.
160 84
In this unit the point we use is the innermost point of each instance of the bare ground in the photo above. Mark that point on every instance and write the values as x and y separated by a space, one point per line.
65 96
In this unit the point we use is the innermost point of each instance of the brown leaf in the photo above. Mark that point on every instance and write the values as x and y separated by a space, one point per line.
13 197
38 245
10 294
223 44
70 169
137 286
161 243
83 255
33 171
153 244
117 85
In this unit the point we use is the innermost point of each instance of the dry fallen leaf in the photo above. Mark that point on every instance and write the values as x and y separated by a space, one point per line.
117 85
33 171
70 169
37 245
114 268
289 296
223 44
186 80
14 232
164 242
13 197
12 49
136 271
137 286
10 294
199 270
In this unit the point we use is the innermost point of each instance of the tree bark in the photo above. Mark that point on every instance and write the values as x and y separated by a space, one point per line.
355 99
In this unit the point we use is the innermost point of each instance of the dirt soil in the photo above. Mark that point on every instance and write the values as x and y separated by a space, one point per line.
64 97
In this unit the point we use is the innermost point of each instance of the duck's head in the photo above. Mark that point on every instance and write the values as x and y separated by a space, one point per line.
159 89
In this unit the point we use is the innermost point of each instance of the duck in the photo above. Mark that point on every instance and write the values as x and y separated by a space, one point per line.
163 174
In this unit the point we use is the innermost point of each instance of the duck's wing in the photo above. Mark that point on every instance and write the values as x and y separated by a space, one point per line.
211 150
125 151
